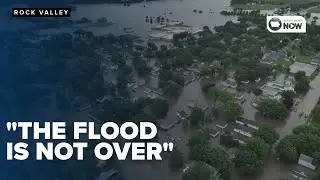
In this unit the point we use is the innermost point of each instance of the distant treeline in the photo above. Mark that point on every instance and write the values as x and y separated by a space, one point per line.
293 6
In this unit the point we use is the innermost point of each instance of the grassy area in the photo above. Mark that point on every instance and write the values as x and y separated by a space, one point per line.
283 63
305 59
256 7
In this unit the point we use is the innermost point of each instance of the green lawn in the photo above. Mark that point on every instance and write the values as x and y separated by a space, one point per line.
283 63
305 59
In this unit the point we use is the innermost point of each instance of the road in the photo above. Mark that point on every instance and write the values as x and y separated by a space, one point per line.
275 169
306 105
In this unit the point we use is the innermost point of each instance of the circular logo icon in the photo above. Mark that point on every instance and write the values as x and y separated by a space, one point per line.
275 24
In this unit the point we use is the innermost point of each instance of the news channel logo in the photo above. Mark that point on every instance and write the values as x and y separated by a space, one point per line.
286 24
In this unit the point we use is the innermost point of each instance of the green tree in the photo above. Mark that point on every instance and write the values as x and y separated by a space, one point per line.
183 60
257 91
231 110
220 95
175 160
258 146
302 85
273 109
286 150
316 159
201 150
247 162
197 138
267 133
196 117
307 129
160 108
199 171
299 75
172 89
288 98
316 114
209 54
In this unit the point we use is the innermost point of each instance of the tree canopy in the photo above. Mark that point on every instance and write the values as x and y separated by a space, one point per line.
304 140
160 108
288 98
199 171
273 109
197 116
231 110
226 103
250 158
201 150
175 160
267 134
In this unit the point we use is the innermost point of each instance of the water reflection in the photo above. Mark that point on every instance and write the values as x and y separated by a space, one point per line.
143 16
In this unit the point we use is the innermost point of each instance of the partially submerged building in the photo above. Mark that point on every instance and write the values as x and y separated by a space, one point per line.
309 69
183 114
270 58
273 89
166 32
304 170
315 59
240 130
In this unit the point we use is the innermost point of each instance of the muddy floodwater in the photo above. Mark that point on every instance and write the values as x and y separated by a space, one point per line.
133 17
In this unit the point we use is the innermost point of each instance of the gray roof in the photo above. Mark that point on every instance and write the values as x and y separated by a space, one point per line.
316 57
183 114
221 123
301 172
244 128
305 158
273 56
237 136
248 121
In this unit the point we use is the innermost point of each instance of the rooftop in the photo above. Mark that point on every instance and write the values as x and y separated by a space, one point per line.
240 138
301 173
305 158
183 114
315 58
273 88
307 68
273 56
245 121
221 124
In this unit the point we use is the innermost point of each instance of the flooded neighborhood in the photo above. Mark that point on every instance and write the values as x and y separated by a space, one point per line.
237 101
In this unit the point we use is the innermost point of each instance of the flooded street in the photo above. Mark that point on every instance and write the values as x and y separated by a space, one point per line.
306 105
134 16
275 169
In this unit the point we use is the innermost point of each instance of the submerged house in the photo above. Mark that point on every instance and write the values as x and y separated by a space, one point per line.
305 169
